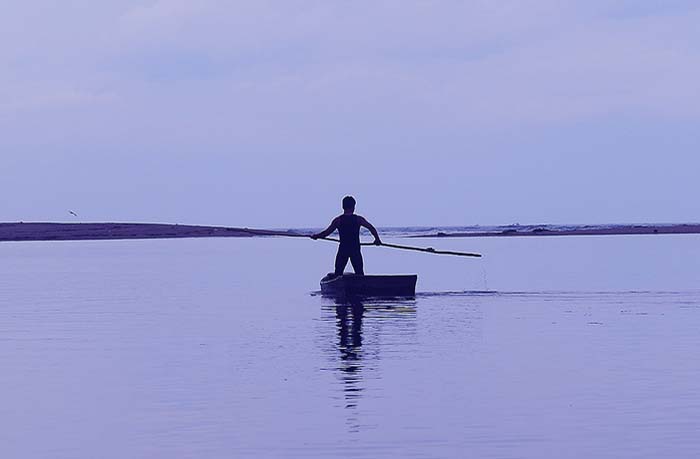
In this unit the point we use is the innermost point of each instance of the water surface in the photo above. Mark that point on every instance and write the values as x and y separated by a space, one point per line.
552 347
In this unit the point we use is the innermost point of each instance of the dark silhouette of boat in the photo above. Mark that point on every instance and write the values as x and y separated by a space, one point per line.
403 285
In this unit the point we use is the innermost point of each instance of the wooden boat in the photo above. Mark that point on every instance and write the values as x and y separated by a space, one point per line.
378 285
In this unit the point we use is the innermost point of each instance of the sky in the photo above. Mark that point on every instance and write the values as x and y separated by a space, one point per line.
266 113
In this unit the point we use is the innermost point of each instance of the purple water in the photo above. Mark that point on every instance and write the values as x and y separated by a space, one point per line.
219 348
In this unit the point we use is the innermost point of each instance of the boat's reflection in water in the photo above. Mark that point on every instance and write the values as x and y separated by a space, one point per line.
368 330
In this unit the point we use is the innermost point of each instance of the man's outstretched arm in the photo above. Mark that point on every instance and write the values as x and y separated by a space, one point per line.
372 230
326 232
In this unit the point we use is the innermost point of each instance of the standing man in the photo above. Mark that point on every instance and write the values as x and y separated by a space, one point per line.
348 226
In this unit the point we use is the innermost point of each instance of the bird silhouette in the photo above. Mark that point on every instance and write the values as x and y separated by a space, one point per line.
72 213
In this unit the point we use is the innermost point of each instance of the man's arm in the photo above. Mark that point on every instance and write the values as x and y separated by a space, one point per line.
326 232
372 230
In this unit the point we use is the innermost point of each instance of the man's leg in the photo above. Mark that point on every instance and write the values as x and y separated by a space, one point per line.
341 260
357 263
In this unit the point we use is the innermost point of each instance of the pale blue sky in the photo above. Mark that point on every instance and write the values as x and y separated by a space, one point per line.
431 113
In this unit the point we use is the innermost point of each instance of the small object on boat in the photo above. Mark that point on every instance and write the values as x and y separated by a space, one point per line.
375 285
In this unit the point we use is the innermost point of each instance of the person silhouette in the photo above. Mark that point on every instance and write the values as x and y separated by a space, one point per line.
348 226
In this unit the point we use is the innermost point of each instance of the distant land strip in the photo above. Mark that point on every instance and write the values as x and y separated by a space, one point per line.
543 231
105 231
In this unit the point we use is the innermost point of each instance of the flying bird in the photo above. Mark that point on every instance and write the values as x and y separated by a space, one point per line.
72 213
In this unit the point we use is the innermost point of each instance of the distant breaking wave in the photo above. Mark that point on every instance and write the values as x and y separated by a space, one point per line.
534 230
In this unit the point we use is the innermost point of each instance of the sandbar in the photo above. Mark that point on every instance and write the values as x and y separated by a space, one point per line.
103 231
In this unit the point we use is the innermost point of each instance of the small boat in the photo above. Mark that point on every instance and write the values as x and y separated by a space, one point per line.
378 285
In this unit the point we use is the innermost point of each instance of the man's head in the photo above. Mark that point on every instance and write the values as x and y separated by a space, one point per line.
348 203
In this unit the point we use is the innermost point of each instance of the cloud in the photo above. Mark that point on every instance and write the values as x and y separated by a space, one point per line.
478 61
308 78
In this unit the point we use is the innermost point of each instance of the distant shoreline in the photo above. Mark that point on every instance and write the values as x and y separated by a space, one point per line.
15 232
616 230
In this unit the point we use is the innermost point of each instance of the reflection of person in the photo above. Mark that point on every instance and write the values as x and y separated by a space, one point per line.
349 345
350 337
348 226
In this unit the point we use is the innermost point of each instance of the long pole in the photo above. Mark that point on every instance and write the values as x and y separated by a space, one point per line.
417 249
383 244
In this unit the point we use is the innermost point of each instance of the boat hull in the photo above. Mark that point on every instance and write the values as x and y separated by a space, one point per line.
376 285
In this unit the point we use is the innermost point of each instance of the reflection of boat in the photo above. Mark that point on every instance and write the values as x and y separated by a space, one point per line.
361 324
376 285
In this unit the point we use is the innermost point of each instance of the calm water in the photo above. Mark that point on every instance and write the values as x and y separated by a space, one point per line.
219 348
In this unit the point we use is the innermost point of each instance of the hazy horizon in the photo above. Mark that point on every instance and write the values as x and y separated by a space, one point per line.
549 225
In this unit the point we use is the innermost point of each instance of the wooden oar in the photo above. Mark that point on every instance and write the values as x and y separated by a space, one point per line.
417 249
